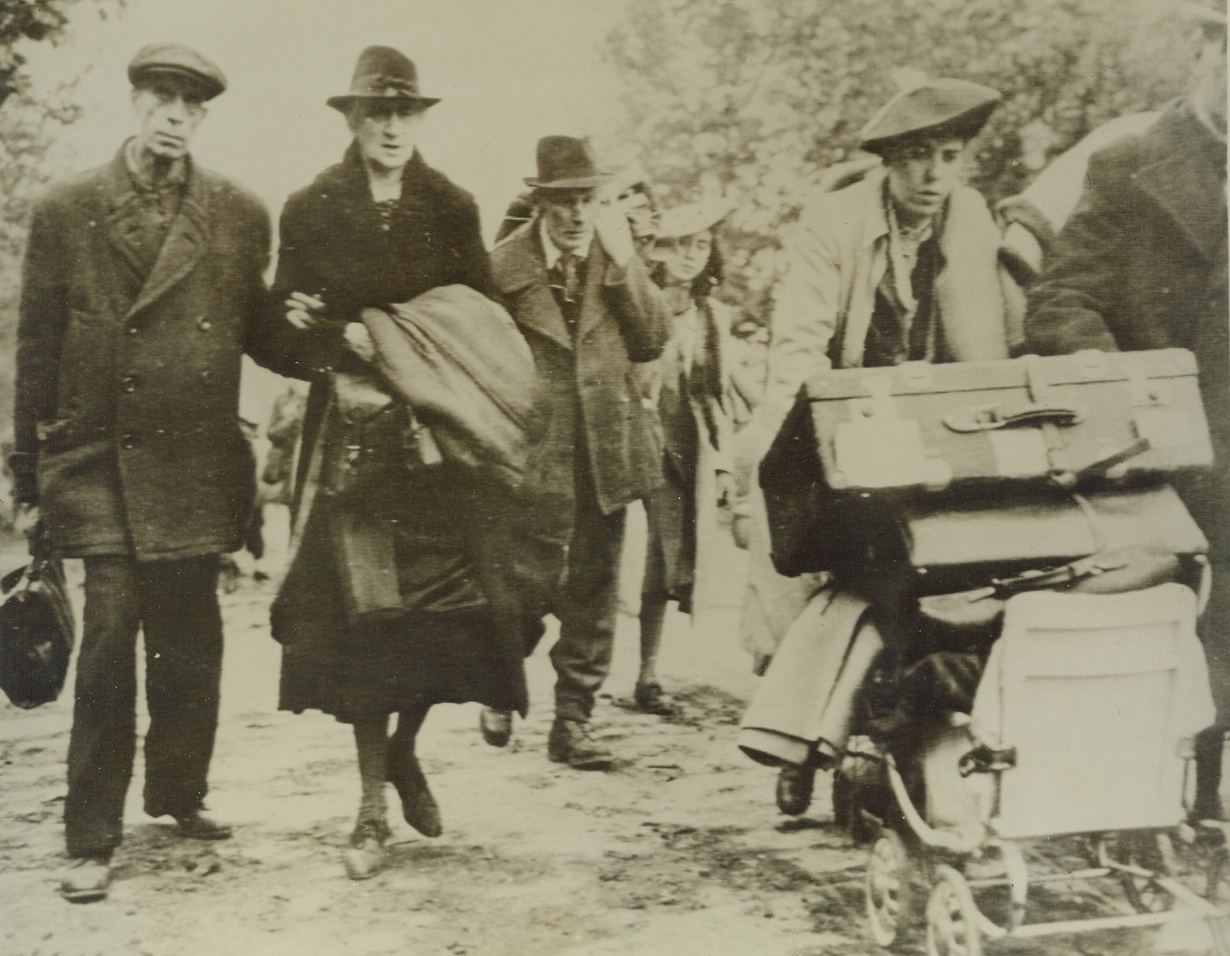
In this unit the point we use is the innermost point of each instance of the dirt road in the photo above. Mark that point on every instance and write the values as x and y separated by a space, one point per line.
679 850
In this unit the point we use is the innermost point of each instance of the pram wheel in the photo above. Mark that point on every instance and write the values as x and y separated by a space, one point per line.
1153 852
889 888
952 917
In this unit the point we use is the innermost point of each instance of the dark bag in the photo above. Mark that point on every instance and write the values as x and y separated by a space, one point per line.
978 428
36 632
374 440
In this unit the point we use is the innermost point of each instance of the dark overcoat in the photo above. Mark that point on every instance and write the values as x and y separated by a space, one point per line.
1142 264
595 401
443 534
127 389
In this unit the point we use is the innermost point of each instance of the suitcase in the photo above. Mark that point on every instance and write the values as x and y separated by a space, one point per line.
940 545
1088 419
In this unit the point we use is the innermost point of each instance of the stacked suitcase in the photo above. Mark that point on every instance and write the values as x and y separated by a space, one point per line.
920 479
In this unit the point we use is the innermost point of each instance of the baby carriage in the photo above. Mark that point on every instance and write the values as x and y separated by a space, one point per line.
1018 480
1082 724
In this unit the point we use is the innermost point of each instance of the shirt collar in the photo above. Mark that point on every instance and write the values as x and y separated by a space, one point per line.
550 249
176 175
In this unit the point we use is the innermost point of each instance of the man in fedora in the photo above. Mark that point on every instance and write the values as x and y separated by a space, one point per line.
1142 265
142 288
584 301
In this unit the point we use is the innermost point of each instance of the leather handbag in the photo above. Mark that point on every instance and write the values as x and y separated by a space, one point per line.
36 632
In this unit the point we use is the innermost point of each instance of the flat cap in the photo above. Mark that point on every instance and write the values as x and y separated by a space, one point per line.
935 106
177 60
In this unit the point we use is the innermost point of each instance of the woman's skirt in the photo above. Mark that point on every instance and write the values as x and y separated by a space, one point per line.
450 632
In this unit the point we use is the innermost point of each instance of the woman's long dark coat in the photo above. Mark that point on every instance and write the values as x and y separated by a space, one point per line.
334 246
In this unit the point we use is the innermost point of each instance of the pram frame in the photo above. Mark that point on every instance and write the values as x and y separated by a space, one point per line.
955 923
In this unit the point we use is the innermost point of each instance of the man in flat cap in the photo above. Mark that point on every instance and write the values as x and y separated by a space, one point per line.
585 303
1142 265
142 288
898 265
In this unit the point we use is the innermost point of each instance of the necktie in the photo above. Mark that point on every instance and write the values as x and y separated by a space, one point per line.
570 277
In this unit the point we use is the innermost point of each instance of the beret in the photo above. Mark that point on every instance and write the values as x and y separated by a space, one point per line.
178 60
933 106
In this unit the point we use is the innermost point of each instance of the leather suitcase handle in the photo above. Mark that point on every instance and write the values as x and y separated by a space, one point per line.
973 418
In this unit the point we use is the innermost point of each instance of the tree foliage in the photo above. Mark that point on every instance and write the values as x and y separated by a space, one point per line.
29 122
764 95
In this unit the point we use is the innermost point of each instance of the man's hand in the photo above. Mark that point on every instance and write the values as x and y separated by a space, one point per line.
359 341
305 311
614 235
727 489
25 518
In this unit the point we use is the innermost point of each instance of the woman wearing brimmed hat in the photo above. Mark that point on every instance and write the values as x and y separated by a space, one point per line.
900 265
690 383
379 228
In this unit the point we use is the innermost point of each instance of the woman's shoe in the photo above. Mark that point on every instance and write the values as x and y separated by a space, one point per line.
650 699
418 806
496 726
365 856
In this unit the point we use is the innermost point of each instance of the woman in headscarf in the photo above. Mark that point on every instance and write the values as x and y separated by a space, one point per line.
398 598
691 383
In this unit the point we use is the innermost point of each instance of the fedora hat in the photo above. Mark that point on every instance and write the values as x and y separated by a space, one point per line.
566 162
382 73
932 107
175 59
692 218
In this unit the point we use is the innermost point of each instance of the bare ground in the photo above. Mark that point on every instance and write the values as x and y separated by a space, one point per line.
678 850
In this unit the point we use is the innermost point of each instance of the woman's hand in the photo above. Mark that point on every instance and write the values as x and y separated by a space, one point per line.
359 341
305 312
727 489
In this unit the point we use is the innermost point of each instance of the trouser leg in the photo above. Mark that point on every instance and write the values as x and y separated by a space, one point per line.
588 608
103 739
183 670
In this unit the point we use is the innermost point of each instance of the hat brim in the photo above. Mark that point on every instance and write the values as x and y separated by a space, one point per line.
964 126
344 102
208 86
580 182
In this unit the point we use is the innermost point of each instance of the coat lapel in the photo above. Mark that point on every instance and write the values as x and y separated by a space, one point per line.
118 201
1183 182
593 309
523 279
183 246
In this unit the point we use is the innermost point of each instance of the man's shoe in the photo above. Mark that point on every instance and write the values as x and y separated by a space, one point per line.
365 856
418 806
794 789
570 742
496 726
87 880
197 826
650 699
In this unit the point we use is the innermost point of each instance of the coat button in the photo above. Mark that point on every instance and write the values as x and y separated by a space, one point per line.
130 383
127 442
204 325
207 376
132 330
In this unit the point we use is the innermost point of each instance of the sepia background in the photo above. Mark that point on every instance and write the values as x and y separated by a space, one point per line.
681 849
